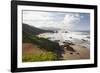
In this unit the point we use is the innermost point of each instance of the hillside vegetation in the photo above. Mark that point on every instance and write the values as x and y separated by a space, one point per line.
48 47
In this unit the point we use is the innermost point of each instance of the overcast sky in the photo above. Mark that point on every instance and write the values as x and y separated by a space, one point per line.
62 20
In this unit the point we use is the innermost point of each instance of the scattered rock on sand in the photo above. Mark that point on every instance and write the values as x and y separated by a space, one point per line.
67 42
77 53
68 48
71 53
83 39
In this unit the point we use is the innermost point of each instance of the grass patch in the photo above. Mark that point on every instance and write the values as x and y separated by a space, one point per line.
49 56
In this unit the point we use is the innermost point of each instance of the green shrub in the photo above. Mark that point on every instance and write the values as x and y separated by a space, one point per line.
42 43
49 56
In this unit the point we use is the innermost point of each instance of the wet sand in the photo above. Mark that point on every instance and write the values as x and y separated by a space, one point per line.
79 53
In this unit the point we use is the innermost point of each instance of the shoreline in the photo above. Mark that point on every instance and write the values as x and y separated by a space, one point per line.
78 53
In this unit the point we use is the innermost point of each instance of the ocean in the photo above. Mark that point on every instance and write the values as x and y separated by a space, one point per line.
78 37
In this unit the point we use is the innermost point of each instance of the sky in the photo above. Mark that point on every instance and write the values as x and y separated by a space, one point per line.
63 20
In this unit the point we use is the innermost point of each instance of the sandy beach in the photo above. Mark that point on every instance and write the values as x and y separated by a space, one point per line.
79 53
79 47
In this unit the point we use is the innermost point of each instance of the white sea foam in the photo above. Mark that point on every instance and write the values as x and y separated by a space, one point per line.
81 38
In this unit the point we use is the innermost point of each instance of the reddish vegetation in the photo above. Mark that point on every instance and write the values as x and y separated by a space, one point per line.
28 48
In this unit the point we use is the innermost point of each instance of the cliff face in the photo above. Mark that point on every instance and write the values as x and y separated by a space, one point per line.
33 30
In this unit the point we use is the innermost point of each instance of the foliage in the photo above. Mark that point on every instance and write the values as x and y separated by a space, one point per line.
49 56
40 42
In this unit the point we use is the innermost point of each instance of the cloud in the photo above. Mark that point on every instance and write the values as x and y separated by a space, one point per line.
64 21
41 19
70 20
33 15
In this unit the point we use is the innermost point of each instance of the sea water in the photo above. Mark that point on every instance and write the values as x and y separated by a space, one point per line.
78 37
